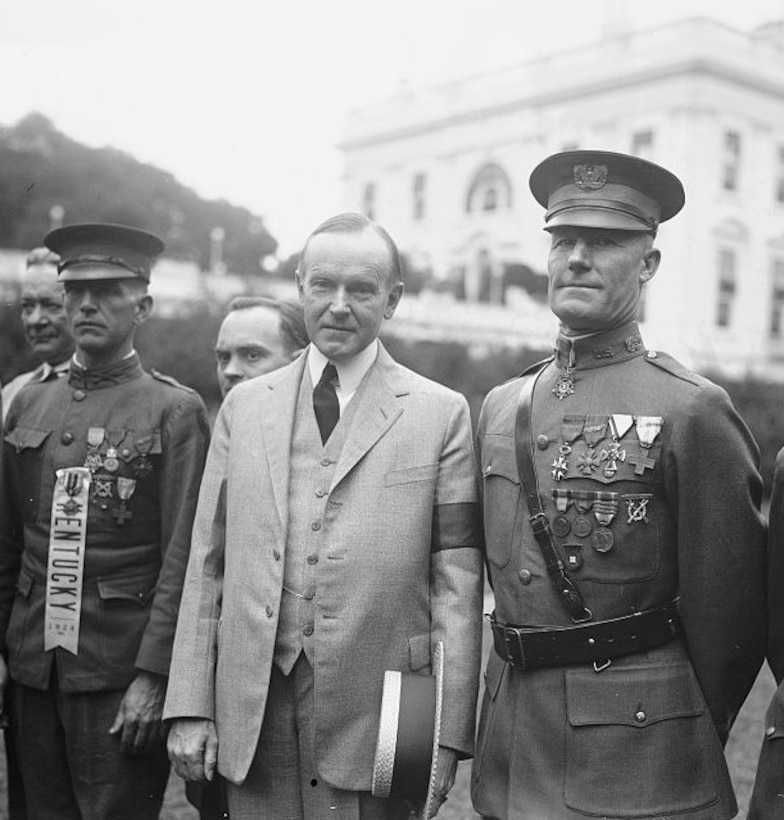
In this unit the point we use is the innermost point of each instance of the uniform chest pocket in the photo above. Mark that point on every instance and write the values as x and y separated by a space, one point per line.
27 465
503 503
644 725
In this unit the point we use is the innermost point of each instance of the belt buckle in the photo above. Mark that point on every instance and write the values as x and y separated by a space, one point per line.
509 653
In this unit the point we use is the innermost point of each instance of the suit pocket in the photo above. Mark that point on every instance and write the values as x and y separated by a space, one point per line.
644 735
411 475
502 499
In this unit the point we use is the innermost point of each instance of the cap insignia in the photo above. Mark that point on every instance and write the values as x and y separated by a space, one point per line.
590 177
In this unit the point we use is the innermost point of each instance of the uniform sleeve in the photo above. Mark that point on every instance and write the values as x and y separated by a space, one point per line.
456 581
185 438
714 483
191 690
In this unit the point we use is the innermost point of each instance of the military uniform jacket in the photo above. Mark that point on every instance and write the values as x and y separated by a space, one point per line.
134 564
649 480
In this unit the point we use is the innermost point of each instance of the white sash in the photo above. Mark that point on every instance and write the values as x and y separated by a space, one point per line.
67 536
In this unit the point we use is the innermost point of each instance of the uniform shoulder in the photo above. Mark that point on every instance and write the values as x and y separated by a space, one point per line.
669 364
171 381
513 385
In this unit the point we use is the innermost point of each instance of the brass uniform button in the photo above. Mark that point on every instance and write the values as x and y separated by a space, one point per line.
67 438
79 395
525 576
542 442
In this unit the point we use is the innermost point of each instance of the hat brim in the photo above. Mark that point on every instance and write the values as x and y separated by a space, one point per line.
406 758
595 218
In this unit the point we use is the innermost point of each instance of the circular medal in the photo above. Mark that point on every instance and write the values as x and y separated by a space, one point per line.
561 526
582 526
111 464
603 540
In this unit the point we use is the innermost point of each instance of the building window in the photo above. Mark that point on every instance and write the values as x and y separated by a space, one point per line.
731 170
780 176
490 191
777 299
369 201
642 144
418 192
727 286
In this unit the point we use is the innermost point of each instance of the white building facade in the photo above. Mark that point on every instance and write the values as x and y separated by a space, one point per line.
446 170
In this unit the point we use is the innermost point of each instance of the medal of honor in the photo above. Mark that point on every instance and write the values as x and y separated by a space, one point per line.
560 465
602 540
564 385
111 462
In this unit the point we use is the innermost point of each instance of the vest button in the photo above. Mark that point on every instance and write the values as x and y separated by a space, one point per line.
325 462
312 559
307 629
269 611
79 395
67 438
320 493
315 526
276 554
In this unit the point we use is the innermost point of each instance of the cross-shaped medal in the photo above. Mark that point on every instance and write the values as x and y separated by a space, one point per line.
613 454
641 463
121 513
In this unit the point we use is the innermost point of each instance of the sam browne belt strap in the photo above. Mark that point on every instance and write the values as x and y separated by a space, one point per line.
529 647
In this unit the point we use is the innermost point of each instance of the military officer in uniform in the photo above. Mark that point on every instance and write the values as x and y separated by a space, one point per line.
624 539
101 476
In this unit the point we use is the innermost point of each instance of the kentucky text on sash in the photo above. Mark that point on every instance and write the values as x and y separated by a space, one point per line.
67 536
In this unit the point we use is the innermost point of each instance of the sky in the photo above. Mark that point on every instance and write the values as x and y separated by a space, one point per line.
246 99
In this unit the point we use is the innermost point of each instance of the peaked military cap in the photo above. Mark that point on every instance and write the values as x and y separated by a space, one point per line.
602 189
94 250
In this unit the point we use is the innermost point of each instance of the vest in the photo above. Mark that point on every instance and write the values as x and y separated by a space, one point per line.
311 469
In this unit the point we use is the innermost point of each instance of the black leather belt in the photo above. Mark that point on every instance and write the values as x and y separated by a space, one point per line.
594 641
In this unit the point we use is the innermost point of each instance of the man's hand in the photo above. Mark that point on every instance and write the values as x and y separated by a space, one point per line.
446 768
193 748
139 715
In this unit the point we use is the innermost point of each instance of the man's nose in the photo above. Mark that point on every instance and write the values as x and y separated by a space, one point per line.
339 303
580 256
233 369
37 316
86 300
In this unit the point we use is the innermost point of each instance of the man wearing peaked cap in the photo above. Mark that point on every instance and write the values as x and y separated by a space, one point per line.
628 572
101 473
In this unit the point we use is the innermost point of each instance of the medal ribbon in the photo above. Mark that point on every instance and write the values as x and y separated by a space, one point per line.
67 539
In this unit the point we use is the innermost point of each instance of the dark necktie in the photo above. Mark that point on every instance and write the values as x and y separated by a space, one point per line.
325 402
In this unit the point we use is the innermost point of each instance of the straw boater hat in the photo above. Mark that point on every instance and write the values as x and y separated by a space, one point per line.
408 734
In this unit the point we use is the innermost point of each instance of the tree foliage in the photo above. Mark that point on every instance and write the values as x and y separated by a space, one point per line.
41 168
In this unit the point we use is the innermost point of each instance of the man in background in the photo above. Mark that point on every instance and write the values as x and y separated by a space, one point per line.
45 323
258 335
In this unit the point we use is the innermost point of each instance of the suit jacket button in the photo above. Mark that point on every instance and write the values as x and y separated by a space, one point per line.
269 611
276 554
313 559
307 629
315 526
325 462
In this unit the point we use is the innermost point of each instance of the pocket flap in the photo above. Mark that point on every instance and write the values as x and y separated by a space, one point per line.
498 457
25 438
138 590
632 695
408 475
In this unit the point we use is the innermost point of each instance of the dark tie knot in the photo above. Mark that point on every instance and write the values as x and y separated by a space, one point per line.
329 375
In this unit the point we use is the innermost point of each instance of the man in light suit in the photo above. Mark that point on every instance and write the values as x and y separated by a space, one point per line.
336 538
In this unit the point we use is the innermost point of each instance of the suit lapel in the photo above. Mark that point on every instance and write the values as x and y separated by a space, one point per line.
379 408
277 411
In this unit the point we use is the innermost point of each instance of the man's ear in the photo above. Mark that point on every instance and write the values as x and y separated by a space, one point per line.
393 299
143 309
300 280
650 264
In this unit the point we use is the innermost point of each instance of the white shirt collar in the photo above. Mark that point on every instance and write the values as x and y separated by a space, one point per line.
350 372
